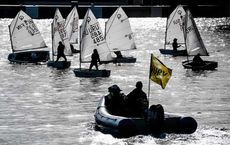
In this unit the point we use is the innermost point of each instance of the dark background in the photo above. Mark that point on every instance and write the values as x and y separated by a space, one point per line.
104 8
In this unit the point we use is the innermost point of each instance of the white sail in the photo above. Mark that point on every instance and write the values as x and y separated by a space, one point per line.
71 25
174 26
59 33
194 42
118 32
91 37
25 34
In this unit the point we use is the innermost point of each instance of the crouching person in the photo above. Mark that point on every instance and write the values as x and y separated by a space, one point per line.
114 101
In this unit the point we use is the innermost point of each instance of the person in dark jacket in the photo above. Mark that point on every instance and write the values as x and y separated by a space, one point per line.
137 102
60 51
114 101
94 59
118 54
73 50
197 60
175 44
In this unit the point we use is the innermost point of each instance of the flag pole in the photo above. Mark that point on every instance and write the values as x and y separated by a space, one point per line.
149 87
149 78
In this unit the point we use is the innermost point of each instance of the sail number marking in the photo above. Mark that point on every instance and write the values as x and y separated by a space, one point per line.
95 33
29 25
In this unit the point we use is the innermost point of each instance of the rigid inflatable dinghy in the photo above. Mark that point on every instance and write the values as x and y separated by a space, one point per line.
121 126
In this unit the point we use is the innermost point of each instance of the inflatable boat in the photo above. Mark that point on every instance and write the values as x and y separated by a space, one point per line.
121 126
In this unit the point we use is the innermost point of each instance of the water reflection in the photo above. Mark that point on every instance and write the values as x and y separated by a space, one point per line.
202 73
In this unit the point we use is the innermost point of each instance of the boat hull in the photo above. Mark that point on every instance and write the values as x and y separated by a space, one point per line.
127 126
174 53
208 65
91 74
29 57
59 64
125 60
222 28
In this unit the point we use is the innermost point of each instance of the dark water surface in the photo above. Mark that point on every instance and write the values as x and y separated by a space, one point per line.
40 105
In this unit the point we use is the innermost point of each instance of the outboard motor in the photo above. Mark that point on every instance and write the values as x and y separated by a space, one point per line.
183 125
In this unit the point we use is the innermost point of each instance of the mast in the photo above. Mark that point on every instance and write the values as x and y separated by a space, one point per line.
166 33
149 76
80 48
184 25
11 39
105 29
52 41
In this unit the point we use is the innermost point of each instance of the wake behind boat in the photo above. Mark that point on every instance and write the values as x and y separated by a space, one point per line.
27 43
121 126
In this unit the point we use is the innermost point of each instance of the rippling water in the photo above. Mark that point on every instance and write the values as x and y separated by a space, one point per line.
41 105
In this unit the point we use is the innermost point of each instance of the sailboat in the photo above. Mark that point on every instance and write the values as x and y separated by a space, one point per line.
225 27
119 35
71 26
27 43
174 29
91 37
195 45
59 35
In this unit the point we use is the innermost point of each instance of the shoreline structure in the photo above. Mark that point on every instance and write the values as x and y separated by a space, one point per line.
46 9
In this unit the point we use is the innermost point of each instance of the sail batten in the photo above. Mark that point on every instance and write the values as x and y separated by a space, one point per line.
91 37
25 34
119 35
32 49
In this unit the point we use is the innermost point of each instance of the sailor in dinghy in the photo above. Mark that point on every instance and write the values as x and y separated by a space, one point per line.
91 38
60 43
119 36
195 46
174 30
27 43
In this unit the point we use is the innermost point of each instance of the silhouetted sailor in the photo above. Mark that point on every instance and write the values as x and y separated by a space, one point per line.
114 101
137 102
60 51
197 60
94 59
175 44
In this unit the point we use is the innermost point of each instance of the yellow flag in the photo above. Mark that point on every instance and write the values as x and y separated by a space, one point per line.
159 73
